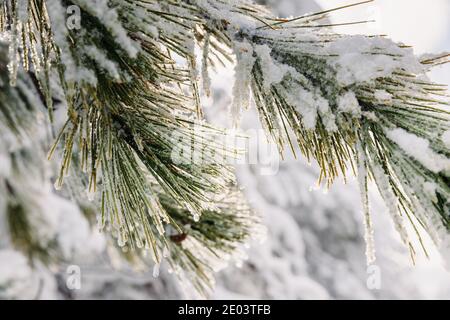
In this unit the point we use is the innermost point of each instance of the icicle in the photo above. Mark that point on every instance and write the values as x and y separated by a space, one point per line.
368 227
90 195
166 253
139 243
100 223
57 184
241 89
122 239
156 270
205 74
14 56
391 201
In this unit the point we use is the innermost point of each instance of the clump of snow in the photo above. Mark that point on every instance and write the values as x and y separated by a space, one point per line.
99 56
430 190
347 103
15 274
370 115
220 10
153 31
57 16
383 96
110 18
328 117
273 73
305 103
446 138
74 234
360 58
419 149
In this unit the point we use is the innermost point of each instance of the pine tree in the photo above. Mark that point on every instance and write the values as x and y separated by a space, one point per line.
126 73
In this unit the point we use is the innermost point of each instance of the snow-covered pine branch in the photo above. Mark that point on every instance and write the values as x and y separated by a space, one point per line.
330 93
125 98
340 98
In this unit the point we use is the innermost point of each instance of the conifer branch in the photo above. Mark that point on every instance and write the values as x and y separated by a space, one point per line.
351 103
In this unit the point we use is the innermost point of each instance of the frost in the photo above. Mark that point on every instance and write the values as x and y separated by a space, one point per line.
419 149
302 258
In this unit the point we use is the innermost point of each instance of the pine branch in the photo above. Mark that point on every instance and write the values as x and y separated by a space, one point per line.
331 93
130 109
349 102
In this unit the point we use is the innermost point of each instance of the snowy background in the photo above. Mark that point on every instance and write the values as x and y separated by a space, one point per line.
314 247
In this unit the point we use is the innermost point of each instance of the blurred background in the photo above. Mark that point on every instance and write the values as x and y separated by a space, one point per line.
314 247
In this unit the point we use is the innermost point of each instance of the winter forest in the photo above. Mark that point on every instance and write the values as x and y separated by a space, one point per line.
224 149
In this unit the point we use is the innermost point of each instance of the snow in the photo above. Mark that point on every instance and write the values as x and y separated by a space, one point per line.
22 8
383 96
326 232
14 275
446 138
5 165
363 189
57 16
241 88
109 17
315 242
273 73
391 201
102 60
419 149
348 103
362 59
205 74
